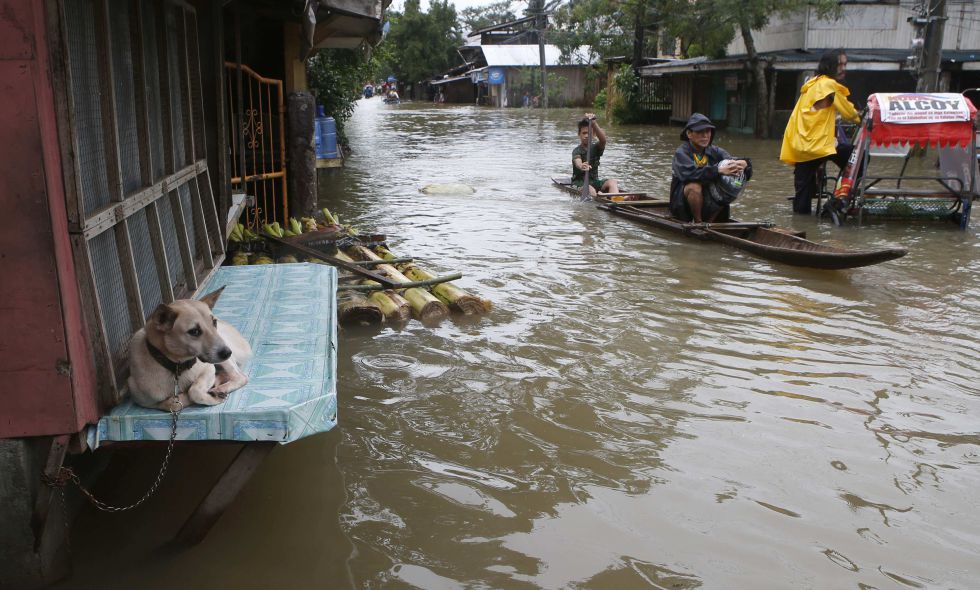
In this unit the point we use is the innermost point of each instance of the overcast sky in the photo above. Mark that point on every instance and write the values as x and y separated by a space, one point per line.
517 6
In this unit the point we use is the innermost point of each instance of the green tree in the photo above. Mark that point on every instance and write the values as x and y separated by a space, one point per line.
423 44
610 28
336 77
700 27
475 18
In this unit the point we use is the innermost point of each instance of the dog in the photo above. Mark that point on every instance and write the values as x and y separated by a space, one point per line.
184 338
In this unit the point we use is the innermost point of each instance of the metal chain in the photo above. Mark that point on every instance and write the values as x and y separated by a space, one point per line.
66 474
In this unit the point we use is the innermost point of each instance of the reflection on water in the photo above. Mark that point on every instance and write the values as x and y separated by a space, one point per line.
638 411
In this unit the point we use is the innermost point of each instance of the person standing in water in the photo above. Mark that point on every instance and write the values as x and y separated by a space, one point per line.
810 138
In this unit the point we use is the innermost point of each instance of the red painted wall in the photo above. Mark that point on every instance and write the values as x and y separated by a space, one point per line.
46 374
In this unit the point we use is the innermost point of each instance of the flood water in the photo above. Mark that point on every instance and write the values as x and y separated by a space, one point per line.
638 410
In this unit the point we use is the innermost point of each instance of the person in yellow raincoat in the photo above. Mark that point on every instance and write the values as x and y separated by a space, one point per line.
810 138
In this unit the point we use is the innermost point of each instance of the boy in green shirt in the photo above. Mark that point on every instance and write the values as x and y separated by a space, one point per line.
579 165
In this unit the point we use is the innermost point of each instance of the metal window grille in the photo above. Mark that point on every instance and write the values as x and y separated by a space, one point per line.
142 215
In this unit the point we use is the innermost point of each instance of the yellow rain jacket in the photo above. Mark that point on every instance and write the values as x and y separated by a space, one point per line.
810 134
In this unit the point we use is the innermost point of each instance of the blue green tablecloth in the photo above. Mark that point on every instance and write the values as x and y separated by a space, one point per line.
288 313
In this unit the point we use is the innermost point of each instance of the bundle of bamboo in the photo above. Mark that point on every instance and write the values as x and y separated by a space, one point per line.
425 306
393 307
456 298
377 286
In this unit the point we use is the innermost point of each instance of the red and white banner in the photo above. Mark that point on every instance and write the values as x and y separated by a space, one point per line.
915 108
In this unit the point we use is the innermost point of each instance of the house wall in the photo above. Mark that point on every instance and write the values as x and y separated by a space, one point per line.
460 92
45 363
867 26
576 91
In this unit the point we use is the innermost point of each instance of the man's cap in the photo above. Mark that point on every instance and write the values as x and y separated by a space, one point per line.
697 122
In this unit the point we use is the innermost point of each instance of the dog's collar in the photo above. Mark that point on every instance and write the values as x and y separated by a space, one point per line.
175 368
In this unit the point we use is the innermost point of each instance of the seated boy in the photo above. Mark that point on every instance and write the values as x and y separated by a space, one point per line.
579 164
697 164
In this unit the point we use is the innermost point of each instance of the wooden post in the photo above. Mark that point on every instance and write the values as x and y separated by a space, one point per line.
295 68
302 155
224 491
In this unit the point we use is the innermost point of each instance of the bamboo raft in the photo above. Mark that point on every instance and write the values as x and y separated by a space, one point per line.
376 287
759 238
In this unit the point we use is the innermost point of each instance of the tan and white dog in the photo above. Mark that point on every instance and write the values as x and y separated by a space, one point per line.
185 338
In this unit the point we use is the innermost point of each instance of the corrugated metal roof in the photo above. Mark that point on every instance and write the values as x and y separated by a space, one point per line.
448 80
527 55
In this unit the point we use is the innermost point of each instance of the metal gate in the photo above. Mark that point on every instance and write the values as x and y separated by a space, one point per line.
258 143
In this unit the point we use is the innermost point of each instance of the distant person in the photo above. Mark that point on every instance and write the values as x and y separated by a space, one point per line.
536 101
705 177
810 138
527 99
582 162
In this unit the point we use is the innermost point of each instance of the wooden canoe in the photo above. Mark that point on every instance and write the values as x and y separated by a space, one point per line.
763 240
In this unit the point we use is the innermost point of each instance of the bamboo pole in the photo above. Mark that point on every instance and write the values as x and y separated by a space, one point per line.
395 309
425 305
456 298
373 286
356 309
450 294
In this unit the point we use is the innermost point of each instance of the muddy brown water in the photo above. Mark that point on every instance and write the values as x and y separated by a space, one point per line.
638 411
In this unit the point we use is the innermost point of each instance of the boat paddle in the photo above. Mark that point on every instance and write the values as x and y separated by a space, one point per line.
588 160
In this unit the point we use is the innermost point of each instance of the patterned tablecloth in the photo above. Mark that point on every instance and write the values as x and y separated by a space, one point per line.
288 313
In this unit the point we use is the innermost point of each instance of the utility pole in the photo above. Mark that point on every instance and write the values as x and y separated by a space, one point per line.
541 22
933 21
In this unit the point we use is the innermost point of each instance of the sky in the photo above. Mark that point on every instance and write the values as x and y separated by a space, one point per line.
517 6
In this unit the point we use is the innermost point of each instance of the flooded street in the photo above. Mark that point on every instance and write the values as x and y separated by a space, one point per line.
639 410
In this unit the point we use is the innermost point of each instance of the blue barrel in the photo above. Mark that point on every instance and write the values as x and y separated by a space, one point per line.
318 125
328 137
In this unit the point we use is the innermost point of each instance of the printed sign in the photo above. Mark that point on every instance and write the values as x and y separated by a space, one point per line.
496 76
913 108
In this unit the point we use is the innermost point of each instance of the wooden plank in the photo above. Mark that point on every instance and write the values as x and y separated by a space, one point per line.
224 491
329 162
643 203
197 208
104 218
42 502
217 237
196 100
183 86
65 110
426 283
212 225
140 84
240 97
183 240
110 135
221 102
167 125
108 389
348 266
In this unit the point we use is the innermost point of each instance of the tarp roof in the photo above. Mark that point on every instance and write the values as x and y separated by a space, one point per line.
527 55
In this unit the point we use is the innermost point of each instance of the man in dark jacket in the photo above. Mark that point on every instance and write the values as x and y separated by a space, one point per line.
696 165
